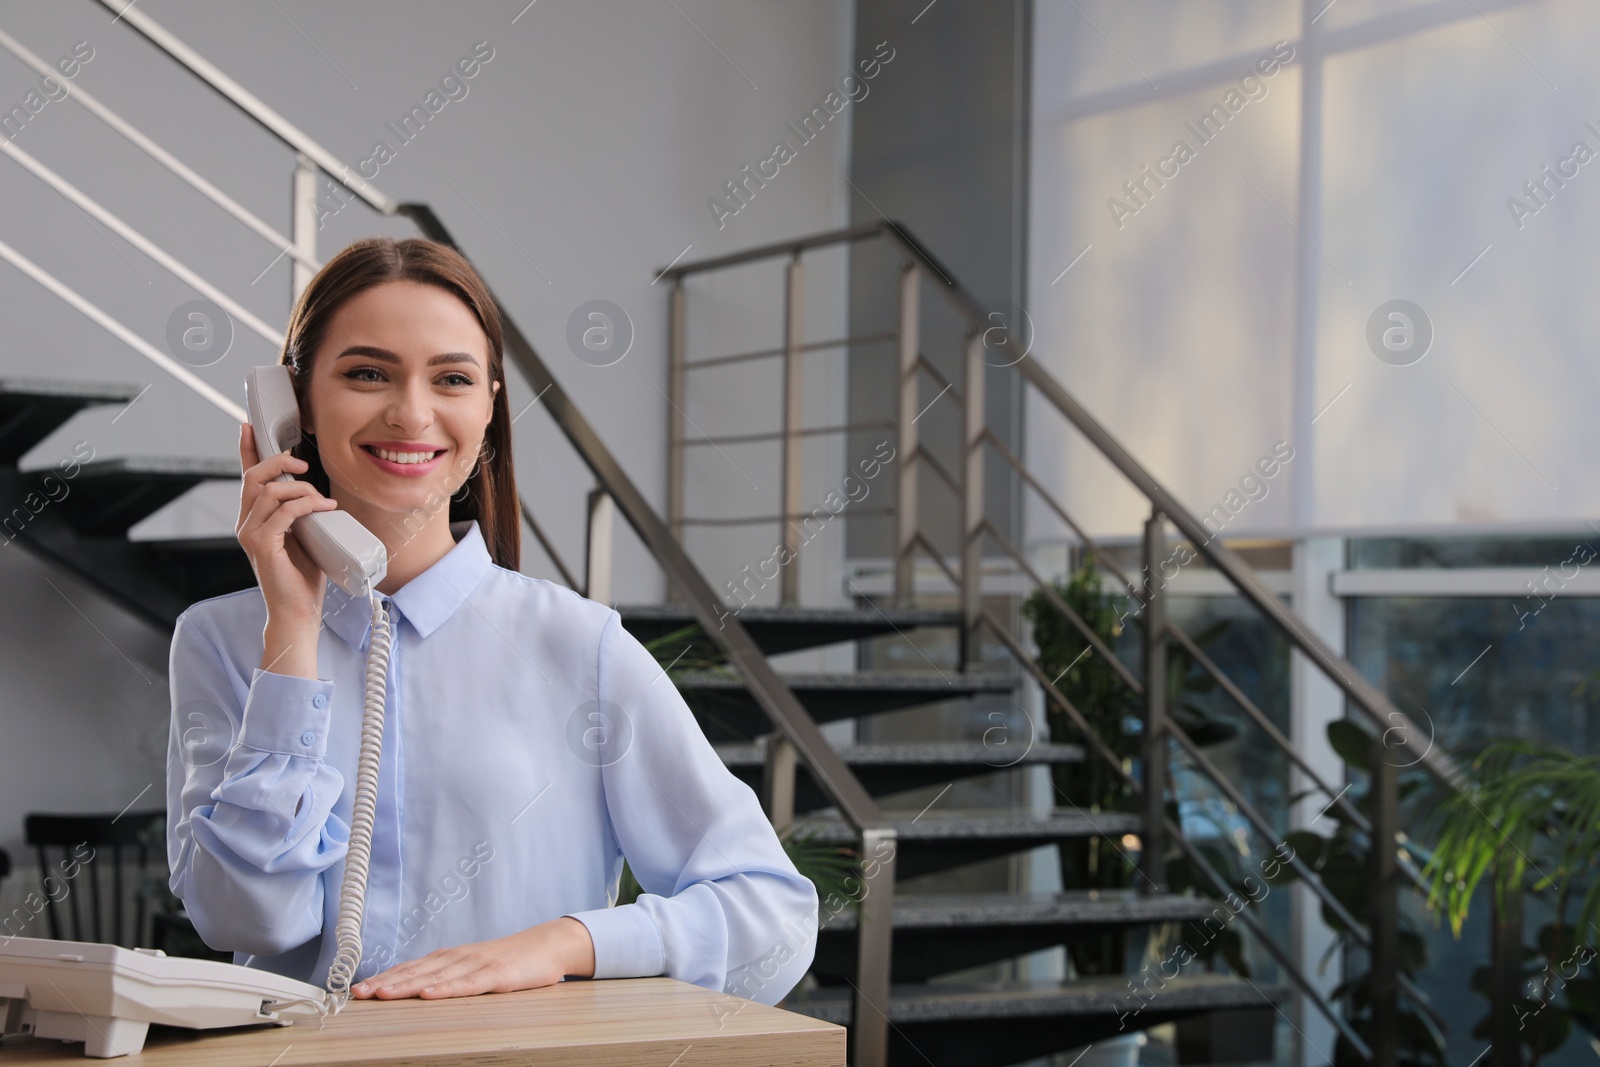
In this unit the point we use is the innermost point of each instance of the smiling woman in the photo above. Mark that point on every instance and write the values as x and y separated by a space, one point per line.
495 681
381 298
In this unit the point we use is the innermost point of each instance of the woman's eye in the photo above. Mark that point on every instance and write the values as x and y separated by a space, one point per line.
457 379
360 374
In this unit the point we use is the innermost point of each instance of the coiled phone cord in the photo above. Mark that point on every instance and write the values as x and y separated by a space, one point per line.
353 890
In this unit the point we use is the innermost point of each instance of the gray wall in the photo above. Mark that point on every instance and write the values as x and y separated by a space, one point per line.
578 164
941 147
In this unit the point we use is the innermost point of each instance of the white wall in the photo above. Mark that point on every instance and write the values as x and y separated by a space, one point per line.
579 163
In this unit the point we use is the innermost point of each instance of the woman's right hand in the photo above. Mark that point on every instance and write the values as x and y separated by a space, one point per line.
291 583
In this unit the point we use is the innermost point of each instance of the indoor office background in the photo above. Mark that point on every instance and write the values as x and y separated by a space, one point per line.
1198 218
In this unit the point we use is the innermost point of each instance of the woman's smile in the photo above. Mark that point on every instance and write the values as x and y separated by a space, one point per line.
407 460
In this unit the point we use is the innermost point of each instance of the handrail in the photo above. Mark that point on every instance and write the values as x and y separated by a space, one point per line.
792 247
246 101
1095 548
1065 609
1259 717
121 332
161 155
160 255
1378 708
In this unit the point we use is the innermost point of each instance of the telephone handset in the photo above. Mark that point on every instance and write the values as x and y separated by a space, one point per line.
351 557
356 561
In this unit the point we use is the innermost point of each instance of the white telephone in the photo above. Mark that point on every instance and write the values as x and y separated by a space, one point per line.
351 557
107 996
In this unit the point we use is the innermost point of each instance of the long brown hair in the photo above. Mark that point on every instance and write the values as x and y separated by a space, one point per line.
490 493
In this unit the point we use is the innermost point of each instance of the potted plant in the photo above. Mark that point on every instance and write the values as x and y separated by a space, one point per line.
1113 712
1529 808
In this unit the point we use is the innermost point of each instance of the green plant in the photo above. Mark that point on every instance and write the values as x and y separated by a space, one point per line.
1111 709
683 650
1528 807
1342 861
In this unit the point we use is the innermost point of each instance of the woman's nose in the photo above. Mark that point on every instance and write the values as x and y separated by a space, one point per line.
411 409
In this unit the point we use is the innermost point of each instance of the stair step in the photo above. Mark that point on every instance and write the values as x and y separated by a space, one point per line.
930 842
790 629
154 580
937 934
31 409
199 568
1079 907
109 496
991 1024
728 712
885 768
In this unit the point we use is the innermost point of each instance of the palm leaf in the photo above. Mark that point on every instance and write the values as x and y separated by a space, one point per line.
1530 806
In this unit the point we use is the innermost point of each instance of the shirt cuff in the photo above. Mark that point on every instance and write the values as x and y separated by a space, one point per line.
288 714
627 943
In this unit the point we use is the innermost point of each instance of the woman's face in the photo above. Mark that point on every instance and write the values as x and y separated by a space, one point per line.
399 398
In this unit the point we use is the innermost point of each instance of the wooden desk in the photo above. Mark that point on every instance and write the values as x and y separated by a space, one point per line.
654 1022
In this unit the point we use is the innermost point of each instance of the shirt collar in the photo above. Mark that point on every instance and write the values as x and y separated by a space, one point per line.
427 600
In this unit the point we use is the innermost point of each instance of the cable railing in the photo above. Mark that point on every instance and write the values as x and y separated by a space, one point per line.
1388 864
799 737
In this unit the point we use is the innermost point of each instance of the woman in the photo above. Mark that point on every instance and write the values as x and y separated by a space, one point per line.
529 740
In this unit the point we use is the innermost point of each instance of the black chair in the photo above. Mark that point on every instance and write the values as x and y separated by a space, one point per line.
173 933
77 853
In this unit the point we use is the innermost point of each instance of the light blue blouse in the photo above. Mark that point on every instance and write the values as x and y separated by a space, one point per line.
530 742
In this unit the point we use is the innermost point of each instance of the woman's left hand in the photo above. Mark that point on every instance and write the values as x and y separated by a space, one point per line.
538 956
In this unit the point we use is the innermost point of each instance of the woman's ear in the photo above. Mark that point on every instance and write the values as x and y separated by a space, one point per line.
305 413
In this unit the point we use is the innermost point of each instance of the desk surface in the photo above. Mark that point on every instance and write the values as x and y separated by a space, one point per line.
633 1021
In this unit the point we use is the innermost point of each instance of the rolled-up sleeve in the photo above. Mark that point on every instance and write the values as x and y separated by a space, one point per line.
250 828
722 905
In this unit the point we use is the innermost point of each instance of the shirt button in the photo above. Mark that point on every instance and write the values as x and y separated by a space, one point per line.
319 701
307 738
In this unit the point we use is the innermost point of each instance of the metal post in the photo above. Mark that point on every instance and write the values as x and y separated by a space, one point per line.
777 782
1505 975
602 512
303 216
869 1018
675 391
905 547
972 422
1385 910
793 332
1153 844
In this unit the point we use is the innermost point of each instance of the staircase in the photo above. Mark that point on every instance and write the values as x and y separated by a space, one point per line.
84 531
922 969
956 996
79 521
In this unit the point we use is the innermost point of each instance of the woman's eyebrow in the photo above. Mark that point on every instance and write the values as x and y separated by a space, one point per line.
383 355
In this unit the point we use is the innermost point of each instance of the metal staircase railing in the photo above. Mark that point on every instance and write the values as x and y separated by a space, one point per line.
801 738
982 337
